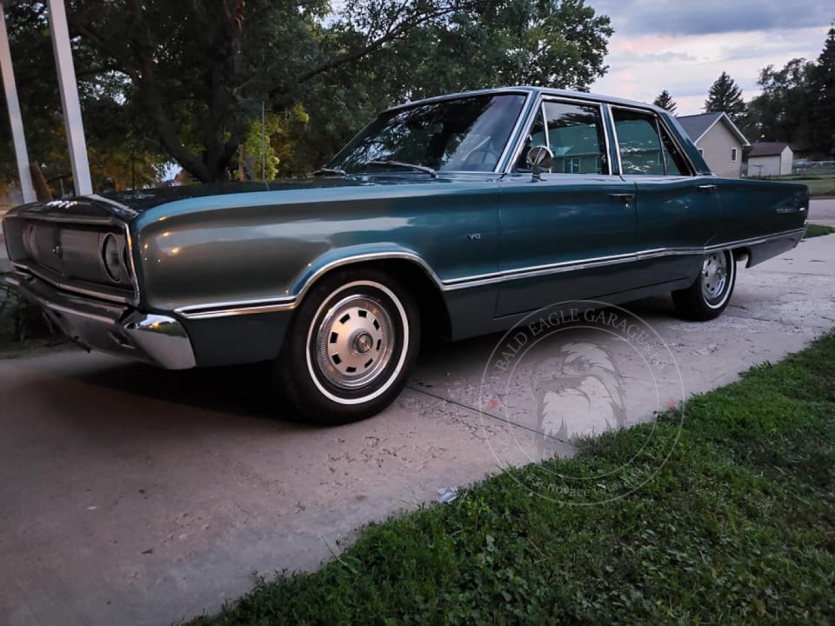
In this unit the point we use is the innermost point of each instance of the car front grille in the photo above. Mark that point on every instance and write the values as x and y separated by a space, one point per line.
71 255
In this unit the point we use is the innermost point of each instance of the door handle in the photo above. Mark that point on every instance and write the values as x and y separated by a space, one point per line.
626 197
707 187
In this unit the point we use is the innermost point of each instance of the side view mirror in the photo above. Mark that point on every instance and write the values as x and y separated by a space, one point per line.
539 158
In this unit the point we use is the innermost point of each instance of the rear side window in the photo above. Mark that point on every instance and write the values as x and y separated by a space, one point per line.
574 133
646 149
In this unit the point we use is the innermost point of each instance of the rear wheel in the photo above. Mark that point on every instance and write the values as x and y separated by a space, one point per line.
710 293
350 348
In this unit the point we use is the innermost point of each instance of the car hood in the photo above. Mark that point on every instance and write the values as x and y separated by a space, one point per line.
144 199
127 205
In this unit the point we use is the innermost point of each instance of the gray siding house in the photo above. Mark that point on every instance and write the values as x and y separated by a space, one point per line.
719 141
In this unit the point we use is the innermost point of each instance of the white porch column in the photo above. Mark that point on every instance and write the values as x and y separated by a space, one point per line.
69 98
21 153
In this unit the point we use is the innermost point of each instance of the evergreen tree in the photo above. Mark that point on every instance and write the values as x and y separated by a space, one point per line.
725 96
666 102
822 105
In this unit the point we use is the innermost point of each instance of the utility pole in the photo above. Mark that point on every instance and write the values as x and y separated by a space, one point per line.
15 118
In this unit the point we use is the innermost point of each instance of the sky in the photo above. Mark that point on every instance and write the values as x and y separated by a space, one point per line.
684 45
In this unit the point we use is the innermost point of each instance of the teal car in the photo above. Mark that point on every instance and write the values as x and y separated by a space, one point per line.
457 215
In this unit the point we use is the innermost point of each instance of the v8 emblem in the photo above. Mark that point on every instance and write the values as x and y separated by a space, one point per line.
474 236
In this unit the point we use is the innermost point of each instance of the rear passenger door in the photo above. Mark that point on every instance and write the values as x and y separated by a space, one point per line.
678 211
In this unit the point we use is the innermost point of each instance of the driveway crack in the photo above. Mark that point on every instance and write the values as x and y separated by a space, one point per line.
498 418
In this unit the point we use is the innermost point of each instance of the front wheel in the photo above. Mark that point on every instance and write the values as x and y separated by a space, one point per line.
350 348
709 295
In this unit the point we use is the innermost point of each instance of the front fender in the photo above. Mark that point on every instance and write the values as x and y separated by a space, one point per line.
350 255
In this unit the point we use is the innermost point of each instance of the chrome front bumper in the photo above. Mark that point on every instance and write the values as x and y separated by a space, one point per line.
156 339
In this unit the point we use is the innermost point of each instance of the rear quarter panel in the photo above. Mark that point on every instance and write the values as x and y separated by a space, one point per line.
752 208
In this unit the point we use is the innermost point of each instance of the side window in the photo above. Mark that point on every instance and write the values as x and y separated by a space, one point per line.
645 147
574 133
575 136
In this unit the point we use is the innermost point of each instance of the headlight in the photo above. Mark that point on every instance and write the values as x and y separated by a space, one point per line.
111 253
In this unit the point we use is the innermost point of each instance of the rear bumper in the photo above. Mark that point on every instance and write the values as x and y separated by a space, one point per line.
156 339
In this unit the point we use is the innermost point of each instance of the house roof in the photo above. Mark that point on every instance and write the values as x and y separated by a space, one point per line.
768 148
697 126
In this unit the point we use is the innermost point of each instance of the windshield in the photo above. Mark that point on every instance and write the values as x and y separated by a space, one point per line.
466 134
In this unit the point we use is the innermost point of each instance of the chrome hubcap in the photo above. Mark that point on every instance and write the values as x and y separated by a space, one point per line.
714 275
354 342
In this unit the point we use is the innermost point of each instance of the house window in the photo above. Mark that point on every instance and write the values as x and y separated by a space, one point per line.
734 154
571 166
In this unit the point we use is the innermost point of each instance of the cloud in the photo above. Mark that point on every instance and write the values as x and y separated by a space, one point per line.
642 65
629 56
675 17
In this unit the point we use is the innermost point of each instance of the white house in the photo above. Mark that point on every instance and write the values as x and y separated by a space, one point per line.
770 159
719 141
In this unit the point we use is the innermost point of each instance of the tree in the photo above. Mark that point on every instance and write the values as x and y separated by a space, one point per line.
725 97
822 96
666 102
781 111
197 72
121 151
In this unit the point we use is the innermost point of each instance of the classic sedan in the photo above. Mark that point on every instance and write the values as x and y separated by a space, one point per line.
457 215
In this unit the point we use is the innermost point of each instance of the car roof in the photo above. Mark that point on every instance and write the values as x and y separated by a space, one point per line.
530 90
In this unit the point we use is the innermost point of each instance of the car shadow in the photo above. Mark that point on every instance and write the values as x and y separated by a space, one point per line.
248 390
244 390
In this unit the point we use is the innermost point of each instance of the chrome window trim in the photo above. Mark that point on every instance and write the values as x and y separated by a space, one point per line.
513 133
520 139
528 91
544 98
289 303
545 126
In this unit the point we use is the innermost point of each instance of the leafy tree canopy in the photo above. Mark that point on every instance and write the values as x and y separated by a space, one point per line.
190 76
797 104
121 154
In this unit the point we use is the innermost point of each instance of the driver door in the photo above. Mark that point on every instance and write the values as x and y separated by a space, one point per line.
571 234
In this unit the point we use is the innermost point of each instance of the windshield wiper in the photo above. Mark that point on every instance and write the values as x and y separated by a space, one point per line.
330 171
411 166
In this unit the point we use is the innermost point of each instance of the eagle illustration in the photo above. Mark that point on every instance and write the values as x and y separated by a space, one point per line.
581 396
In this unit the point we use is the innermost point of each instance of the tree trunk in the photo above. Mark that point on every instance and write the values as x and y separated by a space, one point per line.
42 192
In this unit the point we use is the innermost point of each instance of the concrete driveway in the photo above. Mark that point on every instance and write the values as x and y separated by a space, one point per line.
136 496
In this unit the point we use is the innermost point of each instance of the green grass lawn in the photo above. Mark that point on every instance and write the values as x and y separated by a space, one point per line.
737 527
817 230
819 186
